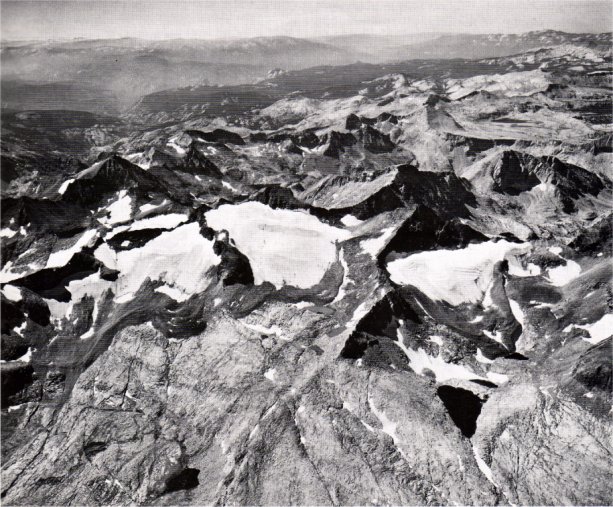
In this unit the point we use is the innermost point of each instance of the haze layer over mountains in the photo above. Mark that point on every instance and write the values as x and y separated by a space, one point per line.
107 76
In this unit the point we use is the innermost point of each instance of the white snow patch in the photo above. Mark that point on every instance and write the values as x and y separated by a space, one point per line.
254 431
269 411
599 330
92 286
516 269
12 293
437 339
476 320
88 334
169 221
172 292
173 144
497 378
148 207
300 259
342 290
124 298
485 469
7 233
20 329
105 254
374 246
116 230
26 358
541 305
496 336
561 275
270 374
303 304
61 258
388 426
511 84
272 330
422 307
180 257
487 298
8 275
367 426
120 210
351 221
420 360
517 311
461 464
482 359
64 186
455 276
227 185
359 313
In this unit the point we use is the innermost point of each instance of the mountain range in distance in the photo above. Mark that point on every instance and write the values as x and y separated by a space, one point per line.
110 75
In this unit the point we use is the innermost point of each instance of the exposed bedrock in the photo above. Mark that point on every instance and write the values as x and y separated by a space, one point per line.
593 368
425 230
400 186
216 136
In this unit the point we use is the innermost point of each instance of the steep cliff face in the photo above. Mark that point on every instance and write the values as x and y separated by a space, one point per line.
397 297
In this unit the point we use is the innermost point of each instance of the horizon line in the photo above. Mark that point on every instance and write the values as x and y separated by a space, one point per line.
127 37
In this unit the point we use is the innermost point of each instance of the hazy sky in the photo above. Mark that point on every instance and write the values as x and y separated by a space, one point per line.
154 19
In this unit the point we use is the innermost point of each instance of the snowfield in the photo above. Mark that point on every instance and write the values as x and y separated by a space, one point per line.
180 257
173 293
373 246
64 186
284 247
599 330
169 221
145 208
12 293
511 84
561 275
119 210
420 361
454 276
351 221
62 257
92 286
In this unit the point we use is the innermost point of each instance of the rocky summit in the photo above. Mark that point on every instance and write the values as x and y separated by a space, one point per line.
363 284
